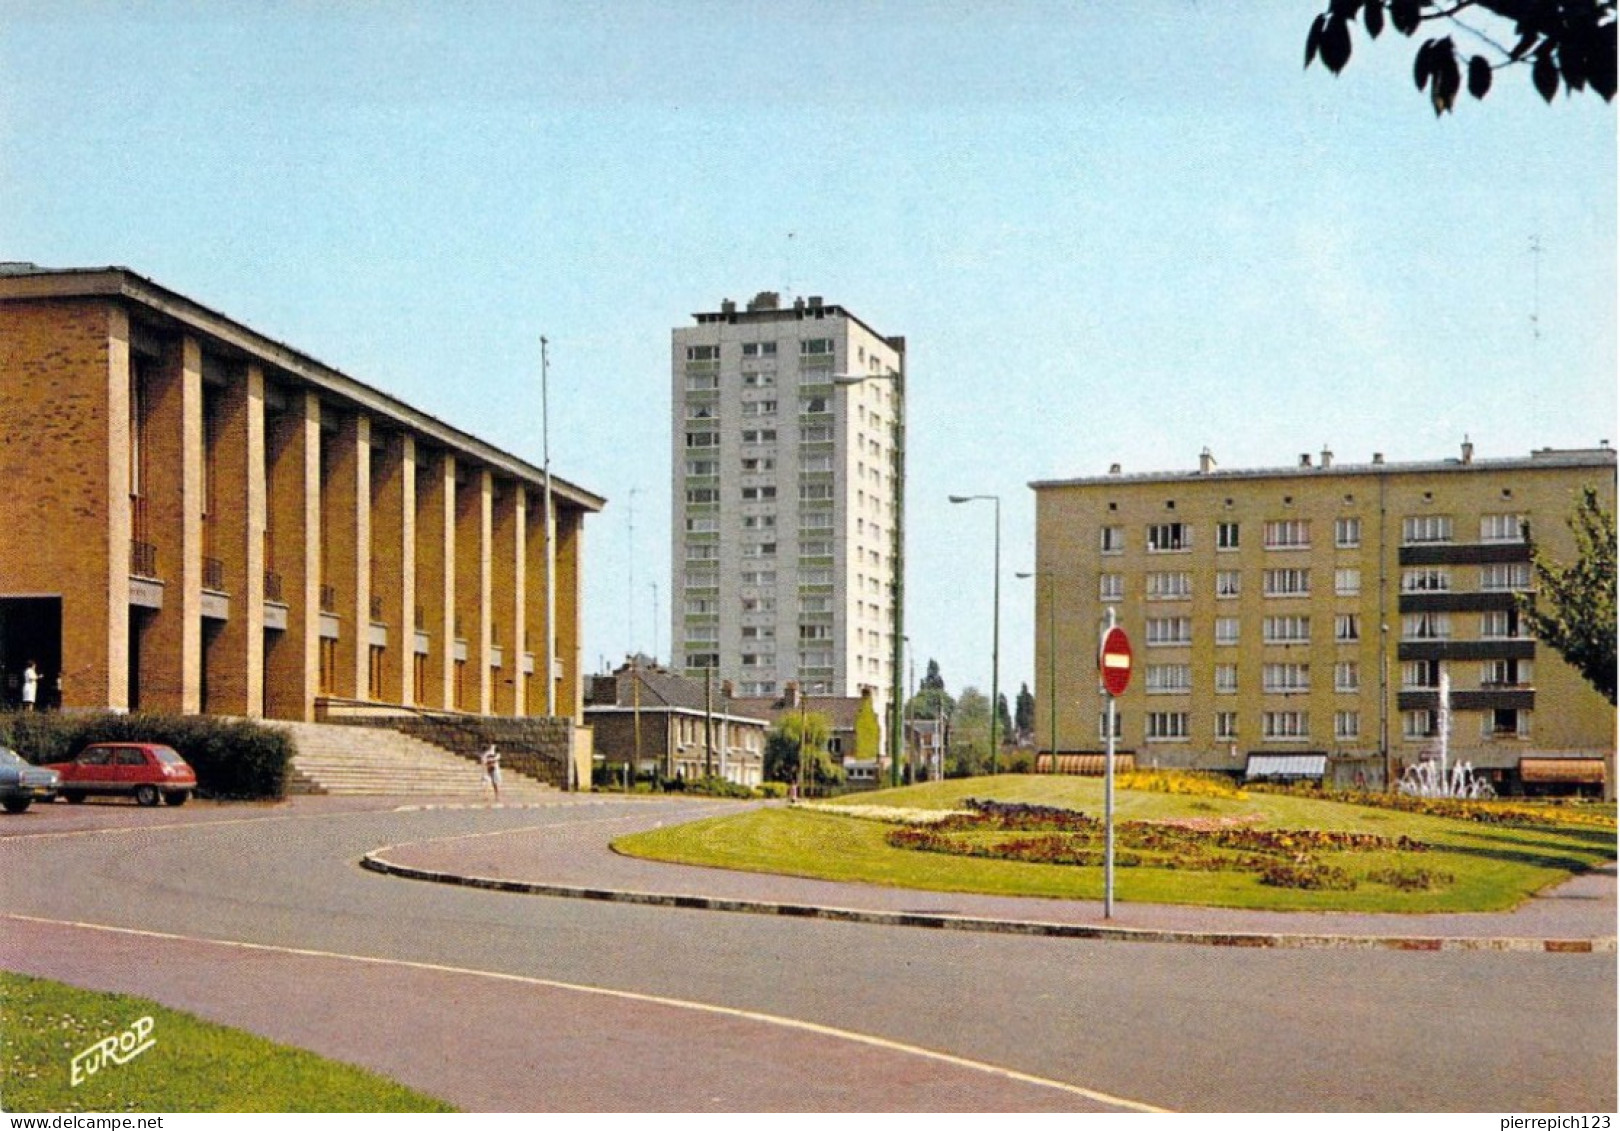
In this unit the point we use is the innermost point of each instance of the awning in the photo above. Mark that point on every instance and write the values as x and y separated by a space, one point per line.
1286 766
1581 771
1086 765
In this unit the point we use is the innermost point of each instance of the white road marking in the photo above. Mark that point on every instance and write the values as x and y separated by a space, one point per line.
626 995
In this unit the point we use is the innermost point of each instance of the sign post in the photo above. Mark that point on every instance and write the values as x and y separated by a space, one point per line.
1114 664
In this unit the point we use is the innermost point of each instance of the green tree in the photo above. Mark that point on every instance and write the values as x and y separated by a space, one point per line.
1568 43
1005 735
931 700
782 749
1572 609
1025 711
968 751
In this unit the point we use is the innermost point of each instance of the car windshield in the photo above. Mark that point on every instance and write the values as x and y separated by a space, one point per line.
10 757
166 755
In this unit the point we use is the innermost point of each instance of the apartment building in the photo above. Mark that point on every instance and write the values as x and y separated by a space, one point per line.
200 519
1312 610
787 511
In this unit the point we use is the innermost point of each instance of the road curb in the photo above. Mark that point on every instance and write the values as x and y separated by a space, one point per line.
374 862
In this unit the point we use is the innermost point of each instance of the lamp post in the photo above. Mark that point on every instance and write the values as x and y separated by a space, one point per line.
1051 657
995 646
897 571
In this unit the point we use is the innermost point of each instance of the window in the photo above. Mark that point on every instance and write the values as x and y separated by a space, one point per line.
815 521
1288 583
1420 675
815 604
1226 536
1347 582
1347 676
760 380
1505 673
816 463
1501 624
758 494
759 436
814 404
700 606
815 347
1419 724
759 408
702 495
702 382
703 439
1430 579
815 577
703 467
1501 528
1284 725
1419 528
1226 630
1288 534
1226 724
706 524
703 552
1110 586
759 550
1169 631
1347 627
759 349
1426 626
750 522
1228 584
1226 679
1287 630
816 549
1347 533
1166 726
702 353
1113 540
815 434
1285 679
1102 725
702 411
1501 577
703 632
1505 722
1169 586
1346 725
1169 679
815 492
759 577
1169 537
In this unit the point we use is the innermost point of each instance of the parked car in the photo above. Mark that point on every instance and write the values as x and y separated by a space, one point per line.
146 771
22 783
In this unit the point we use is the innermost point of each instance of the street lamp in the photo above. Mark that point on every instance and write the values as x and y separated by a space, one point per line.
897 572
995 647
1051 656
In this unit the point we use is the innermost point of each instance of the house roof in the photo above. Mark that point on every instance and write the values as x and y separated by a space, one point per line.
840 710
663 689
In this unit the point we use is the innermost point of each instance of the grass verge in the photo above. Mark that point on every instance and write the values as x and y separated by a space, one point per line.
191 1066
1491 867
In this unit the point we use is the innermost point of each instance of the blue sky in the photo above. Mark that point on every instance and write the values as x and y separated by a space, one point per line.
1110 233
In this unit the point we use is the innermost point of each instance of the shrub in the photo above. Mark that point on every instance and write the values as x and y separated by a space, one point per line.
773 789
234 758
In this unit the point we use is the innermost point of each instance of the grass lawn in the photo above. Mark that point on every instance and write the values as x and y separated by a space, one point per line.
1491 867
192 1065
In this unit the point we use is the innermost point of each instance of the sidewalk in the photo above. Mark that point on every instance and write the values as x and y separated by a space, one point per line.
1578 916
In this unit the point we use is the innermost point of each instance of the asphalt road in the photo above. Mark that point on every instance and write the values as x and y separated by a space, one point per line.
260 917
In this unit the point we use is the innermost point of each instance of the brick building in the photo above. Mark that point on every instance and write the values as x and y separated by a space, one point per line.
1304 616
199 519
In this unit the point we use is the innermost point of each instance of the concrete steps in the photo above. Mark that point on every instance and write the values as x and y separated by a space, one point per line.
357 761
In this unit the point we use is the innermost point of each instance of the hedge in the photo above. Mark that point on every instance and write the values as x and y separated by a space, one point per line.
234 758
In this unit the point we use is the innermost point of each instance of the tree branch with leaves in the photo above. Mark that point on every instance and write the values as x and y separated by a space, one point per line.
1563 43
1572 609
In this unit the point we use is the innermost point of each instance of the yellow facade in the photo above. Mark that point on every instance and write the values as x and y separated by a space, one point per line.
1314 609
200 519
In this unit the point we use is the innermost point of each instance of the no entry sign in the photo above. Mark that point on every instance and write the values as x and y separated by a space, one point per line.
1115 661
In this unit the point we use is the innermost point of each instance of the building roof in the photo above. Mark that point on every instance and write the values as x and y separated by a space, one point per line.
1542 459
662 689
25 281
766 307
840 710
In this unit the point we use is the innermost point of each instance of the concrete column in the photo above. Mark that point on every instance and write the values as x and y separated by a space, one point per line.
505 629
474 504
518 649
171 646
435 553
402 607
393 625
570 633
534 583
114 678
235 668
293 490
346 546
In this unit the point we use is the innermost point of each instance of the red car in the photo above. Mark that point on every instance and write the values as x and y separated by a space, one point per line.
146 771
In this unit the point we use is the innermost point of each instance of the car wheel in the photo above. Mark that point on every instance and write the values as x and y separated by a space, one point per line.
146 795
74 798
176 798
18 804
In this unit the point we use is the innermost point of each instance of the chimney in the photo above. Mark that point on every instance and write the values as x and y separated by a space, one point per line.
1304 459
1327 457
727 306
1378 459
1206 462
1467 450
725 689
790 694
815 300
1113 469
